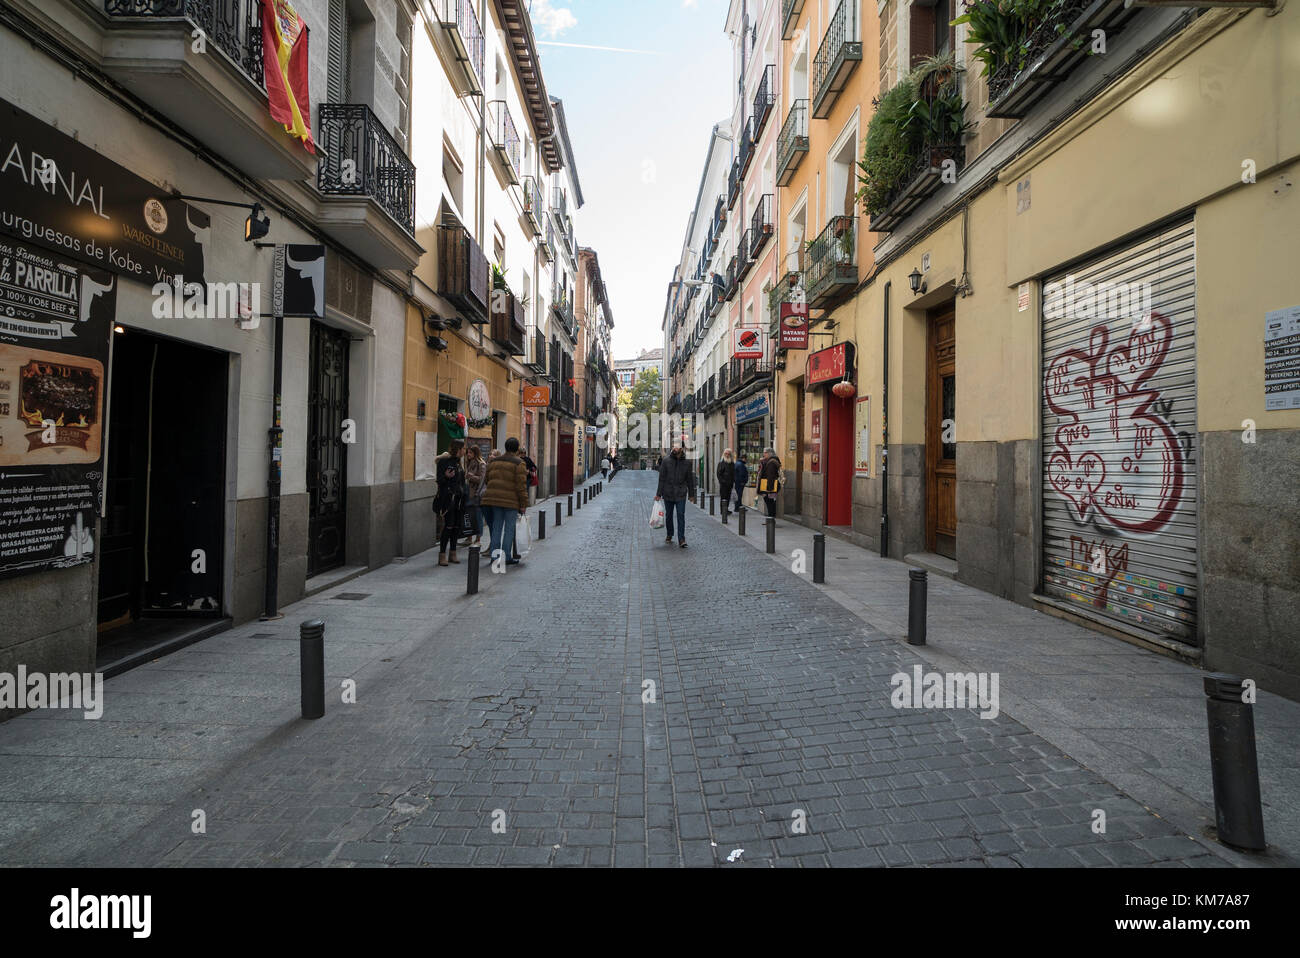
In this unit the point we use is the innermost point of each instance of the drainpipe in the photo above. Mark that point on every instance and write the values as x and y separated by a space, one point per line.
884 460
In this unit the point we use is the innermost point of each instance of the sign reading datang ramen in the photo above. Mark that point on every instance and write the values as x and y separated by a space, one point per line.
794 326
55 317
61 194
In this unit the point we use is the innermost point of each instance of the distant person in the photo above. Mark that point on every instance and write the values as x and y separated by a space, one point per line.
726 477
614 467
505 497
742 480
676 485
475 477
604 467
449 503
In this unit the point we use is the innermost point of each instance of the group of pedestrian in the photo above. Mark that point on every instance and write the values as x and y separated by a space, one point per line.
610 466
732 474
474 492
677 484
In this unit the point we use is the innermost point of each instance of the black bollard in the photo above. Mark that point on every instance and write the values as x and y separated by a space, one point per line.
1234 766
916 606
724 513
558 520
771 535
741 516
569 511
713 502
819 557
311 645
541 524
471 570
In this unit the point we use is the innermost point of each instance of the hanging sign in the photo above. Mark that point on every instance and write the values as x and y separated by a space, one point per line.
537 397
794 326
747 342
55 322
830 365
755 407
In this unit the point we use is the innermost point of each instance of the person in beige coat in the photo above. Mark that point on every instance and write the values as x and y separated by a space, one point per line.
505 496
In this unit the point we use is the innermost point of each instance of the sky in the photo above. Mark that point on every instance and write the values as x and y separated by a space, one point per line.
639 123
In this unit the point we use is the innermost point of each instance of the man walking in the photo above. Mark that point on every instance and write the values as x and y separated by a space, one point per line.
742 480
505 496
676 485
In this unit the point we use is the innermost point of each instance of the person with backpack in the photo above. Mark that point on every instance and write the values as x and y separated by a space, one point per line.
676 485
769 480
726 477
505 497
742 480
449 503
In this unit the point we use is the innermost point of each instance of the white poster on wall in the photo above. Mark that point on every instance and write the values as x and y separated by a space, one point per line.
426 451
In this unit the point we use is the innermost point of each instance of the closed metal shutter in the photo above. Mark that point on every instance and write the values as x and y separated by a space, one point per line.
1119 435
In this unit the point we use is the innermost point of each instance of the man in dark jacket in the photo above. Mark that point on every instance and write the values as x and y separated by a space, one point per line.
742 480
676 485
726 477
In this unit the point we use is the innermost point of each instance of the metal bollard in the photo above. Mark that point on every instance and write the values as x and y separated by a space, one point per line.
819 557
741 516
918 581
471 584
1234 765
724 513
580 497
570 509
771 535
311 645
541 524
713 501
558 520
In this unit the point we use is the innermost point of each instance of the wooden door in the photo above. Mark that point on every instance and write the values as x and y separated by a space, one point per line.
940 425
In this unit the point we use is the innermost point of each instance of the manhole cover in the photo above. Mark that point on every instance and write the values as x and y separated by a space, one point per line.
352 596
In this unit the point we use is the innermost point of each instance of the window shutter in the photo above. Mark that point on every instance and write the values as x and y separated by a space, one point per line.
340 83
921 34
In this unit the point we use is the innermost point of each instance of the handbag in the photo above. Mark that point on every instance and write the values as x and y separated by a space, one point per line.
767 486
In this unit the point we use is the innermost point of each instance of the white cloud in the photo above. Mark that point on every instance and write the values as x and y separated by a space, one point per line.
550 21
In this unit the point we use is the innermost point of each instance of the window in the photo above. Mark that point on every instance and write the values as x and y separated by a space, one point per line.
499 246
402 82
942 32
454 178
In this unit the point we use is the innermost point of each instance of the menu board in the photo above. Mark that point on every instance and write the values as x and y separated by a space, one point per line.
55 321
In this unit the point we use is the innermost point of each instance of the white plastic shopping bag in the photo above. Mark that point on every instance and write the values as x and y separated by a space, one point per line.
657 515
523 536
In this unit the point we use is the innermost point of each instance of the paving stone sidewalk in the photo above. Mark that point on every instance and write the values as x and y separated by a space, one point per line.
526 708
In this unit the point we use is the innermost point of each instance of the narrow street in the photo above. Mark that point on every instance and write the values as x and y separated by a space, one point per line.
520 727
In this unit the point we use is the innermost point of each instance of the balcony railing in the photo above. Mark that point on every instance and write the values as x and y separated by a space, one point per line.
537 362
548 248
559 202
463 276
792 145
746 155
1051 52
533 205
733 183
361 158
232 26
837 58
922 182
717 295
505 139
508 327
760 225
790 10
461 26
832 263
764 100
733 276
746 252
562 307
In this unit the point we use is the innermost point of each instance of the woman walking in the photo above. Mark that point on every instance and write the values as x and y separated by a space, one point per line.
475 476
449 503
769 480
726 477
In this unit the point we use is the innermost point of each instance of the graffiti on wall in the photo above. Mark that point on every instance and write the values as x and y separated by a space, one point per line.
1117 460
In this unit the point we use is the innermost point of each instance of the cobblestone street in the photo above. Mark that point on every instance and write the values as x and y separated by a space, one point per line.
770 730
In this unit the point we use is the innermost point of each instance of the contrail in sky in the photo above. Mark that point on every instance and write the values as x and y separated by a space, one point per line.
587 46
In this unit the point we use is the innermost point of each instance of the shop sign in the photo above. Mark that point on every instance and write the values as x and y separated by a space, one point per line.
61 194
537 396
755 407
831 365
55 318
480 401
794 326
747 342
816 443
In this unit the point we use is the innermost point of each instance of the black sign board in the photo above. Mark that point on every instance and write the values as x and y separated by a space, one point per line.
55 322
58 193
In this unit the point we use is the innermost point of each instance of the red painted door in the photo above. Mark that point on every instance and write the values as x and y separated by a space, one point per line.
838 460
564 481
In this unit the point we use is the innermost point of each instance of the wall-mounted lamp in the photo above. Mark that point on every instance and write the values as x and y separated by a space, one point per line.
256 226
916 282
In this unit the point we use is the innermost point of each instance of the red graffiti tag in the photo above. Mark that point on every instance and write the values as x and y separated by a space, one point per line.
1095 469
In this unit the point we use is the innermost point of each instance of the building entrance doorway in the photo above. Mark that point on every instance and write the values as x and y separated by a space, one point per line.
839 460
564 464
940 435
327 453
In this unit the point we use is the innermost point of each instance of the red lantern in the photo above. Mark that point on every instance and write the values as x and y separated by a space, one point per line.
843 389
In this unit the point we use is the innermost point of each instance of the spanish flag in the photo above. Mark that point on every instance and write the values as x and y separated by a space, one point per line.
285 66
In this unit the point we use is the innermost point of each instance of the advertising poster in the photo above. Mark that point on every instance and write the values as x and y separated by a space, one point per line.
862 431
815 445
55 322
1282 359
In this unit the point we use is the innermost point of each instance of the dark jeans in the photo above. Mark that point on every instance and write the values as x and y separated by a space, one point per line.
678 506
740 496
770 503
452 521
726 495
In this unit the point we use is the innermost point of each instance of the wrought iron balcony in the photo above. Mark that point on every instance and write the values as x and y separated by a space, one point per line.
560 202
719 216
547 249
733 183
464 39
924 180
361 158
717 295
764 99
792 145
837 57
746 155
562 308
537 361
760 228
790 10
733 276
507 148
463 275
746 252
832 264
232 26
533 205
